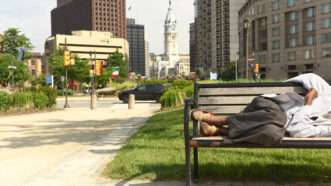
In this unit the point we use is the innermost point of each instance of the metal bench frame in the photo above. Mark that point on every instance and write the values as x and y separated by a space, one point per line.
195 141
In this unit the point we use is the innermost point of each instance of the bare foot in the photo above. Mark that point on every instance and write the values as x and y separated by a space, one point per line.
208 130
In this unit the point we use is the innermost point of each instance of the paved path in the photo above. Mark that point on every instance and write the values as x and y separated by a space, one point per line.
65 148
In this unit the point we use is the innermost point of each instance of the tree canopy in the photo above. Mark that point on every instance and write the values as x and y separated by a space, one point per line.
21 74
13 39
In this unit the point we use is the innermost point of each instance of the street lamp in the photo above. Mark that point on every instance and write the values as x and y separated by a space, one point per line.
12 69
246 26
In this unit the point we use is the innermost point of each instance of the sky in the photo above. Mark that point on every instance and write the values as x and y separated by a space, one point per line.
32 17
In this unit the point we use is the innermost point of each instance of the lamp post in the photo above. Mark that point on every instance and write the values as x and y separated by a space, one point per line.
93 82
236 65
12 69
67 61
246 26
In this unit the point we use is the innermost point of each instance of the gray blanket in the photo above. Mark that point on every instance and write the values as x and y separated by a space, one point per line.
261 122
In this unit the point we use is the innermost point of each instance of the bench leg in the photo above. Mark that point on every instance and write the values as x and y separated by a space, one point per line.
196 165
188 165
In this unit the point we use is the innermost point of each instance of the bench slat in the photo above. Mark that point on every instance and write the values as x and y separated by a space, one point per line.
219 100
223 109
285 143
248 91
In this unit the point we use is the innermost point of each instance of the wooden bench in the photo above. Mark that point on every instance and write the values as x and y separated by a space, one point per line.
229 99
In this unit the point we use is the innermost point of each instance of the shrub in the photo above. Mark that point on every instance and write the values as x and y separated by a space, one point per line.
181 84
40 100
189 91
51 95
172 98
22 100
5 101
62 92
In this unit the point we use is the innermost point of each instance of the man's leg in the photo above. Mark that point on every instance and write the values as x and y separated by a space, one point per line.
209 118
211 130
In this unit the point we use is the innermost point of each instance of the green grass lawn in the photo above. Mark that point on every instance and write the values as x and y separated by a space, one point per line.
156 152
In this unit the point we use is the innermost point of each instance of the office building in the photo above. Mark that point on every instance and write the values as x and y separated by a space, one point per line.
92 15
215 34
138 48
286 37
88 44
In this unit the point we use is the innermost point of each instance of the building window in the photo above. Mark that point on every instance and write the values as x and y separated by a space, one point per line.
261 59
292 43
326 8
276 58
307 1
326 22
293 16
310 26
326 38
275 31
310 12
292 56
309 40
326 53
293 29
291 3
276 45
275 4
309 54
275 18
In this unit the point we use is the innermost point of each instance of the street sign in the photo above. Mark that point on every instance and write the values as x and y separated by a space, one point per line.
115 72
50 80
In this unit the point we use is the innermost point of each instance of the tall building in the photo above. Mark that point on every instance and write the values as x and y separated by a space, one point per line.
286 38
92 15
88 44
215 31
171 63
193 48
138 48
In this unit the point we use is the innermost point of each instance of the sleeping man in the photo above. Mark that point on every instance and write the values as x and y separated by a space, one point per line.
268 118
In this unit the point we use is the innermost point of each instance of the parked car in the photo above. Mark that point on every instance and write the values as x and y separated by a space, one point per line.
144 92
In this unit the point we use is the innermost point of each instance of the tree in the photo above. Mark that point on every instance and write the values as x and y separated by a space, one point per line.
228 72
14 39
118 60
78 72
21 73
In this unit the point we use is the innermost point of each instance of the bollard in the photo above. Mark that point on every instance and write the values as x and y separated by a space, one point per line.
131 101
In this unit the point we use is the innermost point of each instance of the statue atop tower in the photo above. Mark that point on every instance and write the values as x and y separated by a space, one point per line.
170 36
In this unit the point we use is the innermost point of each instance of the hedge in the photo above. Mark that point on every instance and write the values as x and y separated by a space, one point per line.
28 99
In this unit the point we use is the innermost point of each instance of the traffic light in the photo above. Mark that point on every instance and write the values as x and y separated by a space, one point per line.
98 67
257 68
67 58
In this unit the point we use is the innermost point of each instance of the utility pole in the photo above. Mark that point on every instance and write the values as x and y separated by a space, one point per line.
93 82
67 62
246 25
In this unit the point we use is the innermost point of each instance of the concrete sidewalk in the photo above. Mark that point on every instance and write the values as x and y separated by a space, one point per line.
65 148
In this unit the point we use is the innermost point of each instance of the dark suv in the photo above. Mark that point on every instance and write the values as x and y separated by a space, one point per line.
144 92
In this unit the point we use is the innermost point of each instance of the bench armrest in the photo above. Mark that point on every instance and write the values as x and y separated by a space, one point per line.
187 110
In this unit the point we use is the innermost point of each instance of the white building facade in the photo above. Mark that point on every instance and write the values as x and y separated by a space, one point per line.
168 63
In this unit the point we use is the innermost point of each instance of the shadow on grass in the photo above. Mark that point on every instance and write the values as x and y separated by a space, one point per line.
254 172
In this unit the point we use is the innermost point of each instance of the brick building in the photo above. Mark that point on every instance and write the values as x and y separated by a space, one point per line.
91 15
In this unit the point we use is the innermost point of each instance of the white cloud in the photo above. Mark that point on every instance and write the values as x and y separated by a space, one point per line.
33 18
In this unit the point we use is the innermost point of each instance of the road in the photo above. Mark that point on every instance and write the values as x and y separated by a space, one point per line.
67 147
84 102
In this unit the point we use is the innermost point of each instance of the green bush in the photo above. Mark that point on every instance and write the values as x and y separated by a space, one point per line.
5 101
189 91
181 84
51 95
40 100
172 98
22 100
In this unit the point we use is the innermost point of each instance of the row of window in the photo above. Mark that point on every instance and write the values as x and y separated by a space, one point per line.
309 54
325 8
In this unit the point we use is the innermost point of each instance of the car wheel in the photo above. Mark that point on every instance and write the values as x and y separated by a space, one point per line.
125 100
